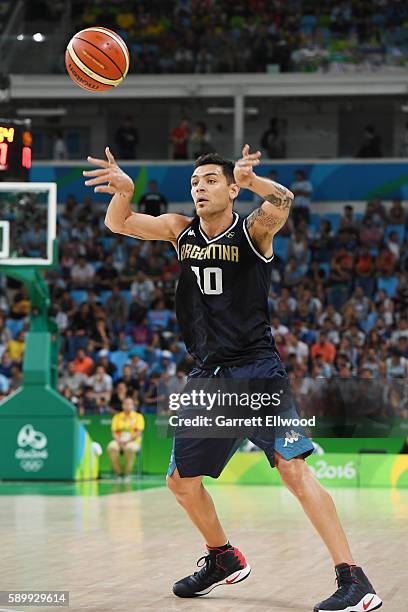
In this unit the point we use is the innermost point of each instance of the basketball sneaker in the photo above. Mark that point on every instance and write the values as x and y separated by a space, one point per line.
355 592
221 566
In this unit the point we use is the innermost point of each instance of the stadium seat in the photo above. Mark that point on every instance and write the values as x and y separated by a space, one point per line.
127 295
326 267
15 326
119 358
389 285
104 295
280 247
78 295
107 243
399 229
137 349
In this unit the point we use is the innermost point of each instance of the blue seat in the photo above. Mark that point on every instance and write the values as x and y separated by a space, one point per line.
399 229
78 295
326 267
280 247
119 358
389 285
104 295
137 349
107 243
315 219
127 295
15 326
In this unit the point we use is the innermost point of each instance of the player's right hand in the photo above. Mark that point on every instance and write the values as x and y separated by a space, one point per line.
108 178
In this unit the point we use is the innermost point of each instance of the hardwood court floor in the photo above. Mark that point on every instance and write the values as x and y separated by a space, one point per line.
122 552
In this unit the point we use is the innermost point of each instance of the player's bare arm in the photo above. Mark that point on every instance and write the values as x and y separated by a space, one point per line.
108 177
264 222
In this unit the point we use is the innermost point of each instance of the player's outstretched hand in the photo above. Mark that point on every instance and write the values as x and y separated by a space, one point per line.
243 170
108 178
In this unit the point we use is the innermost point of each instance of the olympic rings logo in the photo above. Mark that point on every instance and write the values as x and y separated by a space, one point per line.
31 465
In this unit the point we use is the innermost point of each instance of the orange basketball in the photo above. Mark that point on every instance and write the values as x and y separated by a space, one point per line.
97 59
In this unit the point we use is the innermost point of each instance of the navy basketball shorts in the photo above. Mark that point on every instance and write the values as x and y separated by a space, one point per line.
208 456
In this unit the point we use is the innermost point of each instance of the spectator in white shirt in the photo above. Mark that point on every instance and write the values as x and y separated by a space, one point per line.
82 274
142 289
277 328
302 190
101 384
297 347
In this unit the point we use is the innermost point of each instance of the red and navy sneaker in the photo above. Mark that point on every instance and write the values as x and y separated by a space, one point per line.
355 592
221 566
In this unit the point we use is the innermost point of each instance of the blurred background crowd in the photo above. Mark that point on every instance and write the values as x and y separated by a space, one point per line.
338 306
208 36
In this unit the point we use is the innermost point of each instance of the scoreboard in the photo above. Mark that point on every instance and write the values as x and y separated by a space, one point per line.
15 149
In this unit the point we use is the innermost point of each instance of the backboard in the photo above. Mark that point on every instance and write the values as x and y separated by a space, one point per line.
28 223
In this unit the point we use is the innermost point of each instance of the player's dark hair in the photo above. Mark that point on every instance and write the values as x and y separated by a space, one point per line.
217 160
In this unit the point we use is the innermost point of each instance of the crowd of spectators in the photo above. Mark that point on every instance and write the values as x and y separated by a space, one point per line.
338 305
207 36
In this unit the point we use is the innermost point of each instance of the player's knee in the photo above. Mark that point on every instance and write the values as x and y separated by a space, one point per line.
182 488
293 473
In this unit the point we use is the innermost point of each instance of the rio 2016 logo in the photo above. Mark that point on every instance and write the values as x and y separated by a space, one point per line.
322 469
32 448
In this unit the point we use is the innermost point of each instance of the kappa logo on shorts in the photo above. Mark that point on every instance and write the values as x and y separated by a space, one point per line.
291 437
191 233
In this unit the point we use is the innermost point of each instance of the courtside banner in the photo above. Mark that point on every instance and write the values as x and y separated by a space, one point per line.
277 407
331 469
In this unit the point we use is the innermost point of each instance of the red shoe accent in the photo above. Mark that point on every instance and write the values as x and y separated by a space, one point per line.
367 605
234 579
240 556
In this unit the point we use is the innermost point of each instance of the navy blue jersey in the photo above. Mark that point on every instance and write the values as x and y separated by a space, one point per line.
222 296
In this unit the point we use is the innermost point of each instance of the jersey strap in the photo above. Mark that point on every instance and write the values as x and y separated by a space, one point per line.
253 246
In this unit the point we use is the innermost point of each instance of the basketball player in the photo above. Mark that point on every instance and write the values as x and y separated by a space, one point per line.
221 306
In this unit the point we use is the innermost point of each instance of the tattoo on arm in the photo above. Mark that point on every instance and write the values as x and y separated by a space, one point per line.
280 201
269 222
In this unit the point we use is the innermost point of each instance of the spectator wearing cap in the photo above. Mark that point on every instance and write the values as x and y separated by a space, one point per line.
165 364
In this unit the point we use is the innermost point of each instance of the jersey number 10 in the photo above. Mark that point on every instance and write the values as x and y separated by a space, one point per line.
212 284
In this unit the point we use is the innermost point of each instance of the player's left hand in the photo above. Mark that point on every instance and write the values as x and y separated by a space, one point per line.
243 170
108 178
